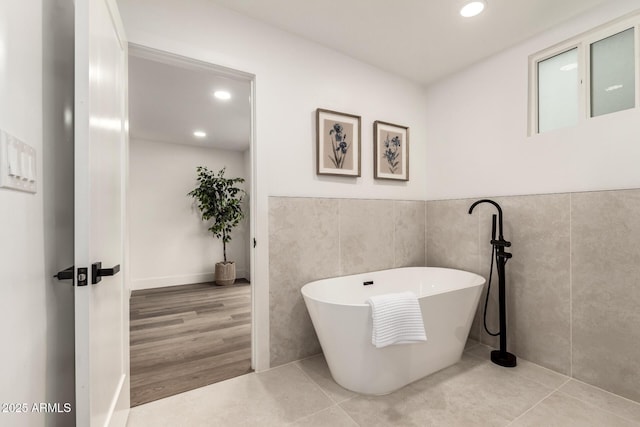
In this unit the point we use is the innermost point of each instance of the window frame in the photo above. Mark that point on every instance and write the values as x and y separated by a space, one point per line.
582 43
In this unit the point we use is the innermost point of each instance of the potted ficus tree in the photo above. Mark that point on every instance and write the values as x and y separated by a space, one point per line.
220 200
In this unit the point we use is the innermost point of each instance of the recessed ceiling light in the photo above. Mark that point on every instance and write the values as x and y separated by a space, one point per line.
199 134
472 8
222 94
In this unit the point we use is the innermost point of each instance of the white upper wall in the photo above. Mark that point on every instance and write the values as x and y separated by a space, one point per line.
477 130
293 78
23 288
169 243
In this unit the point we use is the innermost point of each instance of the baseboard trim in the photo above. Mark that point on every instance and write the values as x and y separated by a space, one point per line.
187 279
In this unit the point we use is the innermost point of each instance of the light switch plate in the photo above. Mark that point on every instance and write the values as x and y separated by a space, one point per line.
17 164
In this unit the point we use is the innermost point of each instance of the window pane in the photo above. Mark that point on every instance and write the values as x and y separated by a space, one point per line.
558 91
612 74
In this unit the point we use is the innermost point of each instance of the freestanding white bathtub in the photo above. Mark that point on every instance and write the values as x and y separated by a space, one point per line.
342 320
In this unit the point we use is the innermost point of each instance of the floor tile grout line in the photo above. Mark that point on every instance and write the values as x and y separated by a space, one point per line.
310 415
626 400
568 379
520 374
528 361
334 403
347 413
321 388
607 392
293 362
600 408
475 356
474 345
537 403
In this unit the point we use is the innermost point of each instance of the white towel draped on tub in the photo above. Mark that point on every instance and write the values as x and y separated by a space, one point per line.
397 319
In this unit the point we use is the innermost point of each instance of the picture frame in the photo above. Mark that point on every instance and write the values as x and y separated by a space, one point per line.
390 151
338 143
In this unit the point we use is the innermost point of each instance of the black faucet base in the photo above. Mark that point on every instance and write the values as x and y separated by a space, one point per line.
506 359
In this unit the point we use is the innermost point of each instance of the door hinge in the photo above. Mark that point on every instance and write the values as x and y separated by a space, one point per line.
255 242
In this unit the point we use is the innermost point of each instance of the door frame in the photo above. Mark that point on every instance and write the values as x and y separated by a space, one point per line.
259 307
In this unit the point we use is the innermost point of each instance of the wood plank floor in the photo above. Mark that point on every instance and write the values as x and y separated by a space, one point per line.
186 337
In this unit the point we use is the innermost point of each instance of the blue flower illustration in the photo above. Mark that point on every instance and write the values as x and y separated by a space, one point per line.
392 152
340 145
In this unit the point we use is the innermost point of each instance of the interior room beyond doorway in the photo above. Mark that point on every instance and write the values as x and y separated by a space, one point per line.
186 332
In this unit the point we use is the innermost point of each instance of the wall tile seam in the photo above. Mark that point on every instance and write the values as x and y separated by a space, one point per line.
426 221
395 230
340 267
570 285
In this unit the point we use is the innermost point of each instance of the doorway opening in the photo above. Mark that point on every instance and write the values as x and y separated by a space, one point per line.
186 331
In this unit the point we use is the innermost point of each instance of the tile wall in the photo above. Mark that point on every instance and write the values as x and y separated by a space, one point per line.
573 284
313 238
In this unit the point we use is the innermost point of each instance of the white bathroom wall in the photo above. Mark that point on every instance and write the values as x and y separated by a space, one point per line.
169 242
293 77
477 130
23 287
22 284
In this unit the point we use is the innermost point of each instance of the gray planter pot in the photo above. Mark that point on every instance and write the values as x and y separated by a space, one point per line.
225 273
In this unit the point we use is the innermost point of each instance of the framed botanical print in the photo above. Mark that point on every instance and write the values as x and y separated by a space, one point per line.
338 143
390 151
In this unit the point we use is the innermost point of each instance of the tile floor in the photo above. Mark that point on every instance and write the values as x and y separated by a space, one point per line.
474 392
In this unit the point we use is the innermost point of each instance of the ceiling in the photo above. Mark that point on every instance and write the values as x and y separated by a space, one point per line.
423 40
168 102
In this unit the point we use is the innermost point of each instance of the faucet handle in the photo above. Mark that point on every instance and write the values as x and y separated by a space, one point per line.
501 242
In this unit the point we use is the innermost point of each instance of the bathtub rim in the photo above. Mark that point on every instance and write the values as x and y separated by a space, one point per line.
479 281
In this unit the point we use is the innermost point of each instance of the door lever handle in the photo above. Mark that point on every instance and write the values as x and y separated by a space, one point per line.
66 274
97 272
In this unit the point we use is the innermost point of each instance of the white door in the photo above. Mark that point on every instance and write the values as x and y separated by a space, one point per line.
101 309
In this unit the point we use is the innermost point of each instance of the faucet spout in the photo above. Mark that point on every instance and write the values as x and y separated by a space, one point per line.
499 213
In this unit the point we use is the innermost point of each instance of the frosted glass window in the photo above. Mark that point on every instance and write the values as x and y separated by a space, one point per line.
558 91
612 74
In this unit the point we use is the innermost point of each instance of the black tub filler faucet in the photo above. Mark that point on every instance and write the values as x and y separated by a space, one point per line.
500 357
